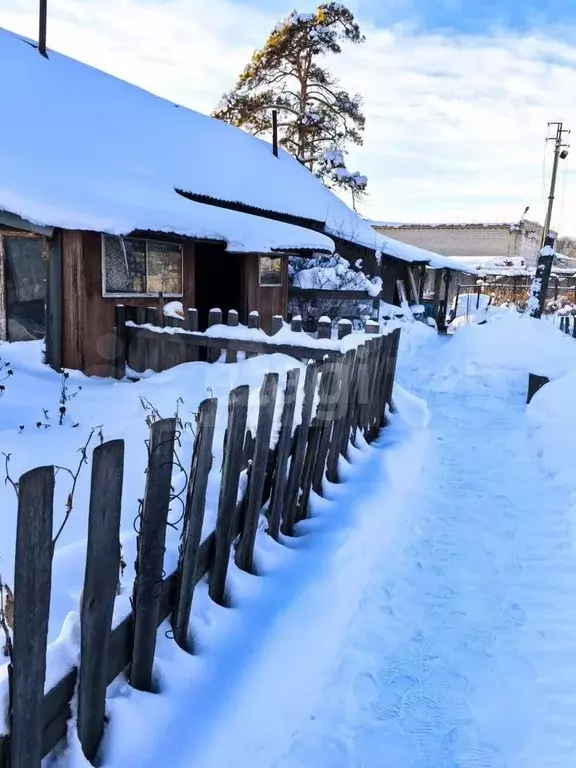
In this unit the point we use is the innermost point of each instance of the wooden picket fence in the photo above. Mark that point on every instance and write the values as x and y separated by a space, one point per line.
141 345
352 391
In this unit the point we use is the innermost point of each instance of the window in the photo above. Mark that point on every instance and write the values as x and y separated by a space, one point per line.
270 270
25 285
132 266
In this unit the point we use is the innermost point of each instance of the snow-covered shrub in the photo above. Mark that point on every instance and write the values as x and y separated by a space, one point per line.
331 273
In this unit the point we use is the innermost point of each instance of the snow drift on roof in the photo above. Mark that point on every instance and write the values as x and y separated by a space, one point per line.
84 150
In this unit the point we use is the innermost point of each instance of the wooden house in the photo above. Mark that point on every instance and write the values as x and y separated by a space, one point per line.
117 195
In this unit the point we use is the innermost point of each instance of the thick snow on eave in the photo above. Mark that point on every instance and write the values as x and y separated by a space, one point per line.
107 156
173 214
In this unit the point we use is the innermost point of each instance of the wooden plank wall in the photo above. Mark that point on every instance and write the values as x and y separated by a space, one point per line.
268 300
88 316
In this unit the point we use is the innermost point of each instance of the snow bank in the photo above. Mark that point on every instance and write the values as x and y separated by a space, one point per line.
263 664
501 354
31 436
552 422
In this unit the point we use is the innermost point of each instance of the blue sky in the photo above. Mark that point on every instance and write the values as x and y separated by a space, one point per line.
462 16
470 16
457 93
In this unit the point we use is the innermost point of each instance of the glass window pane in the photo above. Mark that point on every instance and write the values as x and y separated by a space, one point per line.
270 270
25 287
124 265
164 268
25 258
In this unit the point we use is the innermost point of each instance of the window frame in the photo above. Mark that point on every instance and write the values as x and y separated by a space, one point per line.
281 271
146 295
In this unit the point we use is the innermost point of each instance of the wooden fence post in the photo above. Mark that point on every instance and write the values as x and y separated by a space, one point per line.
372 326
324 328
254 319
100 585
296 324
214 318
277 324
254 323
192 319
193 520
299 451
151 546
119 360
344 328
32 584
192 325
231 468
284 445
245 549
233 320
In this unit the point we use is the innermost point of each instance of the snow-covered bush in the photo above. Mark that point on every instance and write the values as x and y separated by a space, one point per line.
331 273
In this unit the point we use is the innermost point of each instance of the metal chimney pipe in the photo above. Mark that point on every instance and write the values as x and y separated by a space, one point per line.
42 28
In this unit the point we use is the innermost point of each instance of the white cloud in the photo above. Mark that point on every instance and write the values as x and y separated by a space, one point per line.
455 124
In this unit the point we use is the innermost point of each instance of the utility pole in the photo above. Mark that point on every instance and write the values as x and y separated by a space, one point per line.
546 256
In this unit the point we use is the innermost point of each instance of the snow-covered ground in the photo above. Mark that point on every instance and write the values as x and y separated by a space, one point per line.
463 652
423 618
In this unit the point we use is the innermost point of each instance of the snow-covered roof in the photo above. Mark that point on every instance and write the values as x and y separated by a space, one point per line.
84 150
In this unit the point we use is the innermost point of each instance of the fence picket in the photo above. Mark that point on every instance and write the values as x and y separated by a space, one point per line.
245 549
280 479
354 402
299 453
233 320
100 584
328 403
151 544
391 370
339 431
193 520
120 346
32 584
231 468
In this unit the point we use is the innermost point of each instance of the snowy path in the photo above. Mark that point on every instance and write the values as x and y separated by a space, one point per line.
463 654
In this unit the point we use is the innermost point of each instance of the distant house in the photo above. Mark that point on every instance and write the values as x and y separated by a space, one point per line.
110 194
503 255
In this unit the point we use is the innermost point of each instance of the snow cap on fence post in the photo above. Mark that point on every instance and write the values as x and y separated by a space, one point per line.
371 326
296 324
215 316
344 328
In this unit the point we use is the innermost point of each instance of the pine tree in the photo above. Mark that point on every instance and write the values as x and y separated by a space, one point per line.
317 119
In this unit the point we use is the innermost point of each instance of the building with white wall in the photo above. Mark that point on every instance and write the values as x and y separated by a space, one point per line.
517 243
